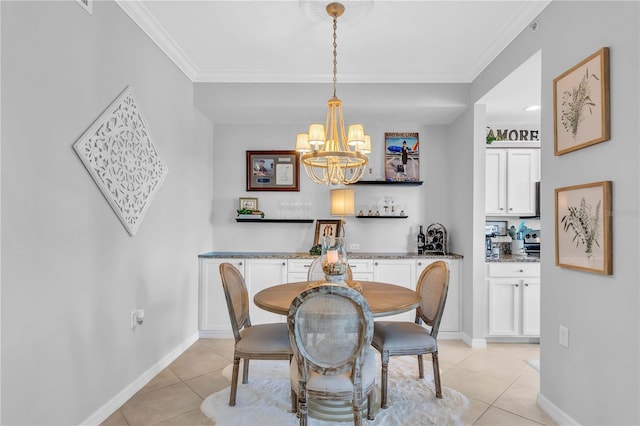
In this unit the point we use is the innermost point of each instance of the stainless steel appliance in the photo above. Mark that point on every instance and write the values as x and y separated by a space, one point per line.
532 242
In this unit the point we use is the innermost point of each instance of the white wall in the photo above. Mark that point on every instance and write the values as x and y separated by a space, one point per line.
70 272
424 204
596 380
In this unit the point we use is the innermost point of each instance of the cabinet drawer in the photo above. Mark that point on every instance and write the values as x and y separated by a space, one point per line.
361 265
299 265
512 269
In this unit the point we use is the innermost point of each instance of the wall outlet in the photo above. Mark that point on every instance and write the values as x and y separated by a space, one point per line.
563 334
354 246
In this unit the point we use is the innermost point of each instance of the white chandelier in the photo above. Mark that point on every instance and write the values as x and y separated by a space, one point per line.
329 154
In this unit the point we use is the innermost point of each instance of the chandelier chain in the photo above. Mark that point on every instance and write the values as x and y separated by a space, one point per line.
335 54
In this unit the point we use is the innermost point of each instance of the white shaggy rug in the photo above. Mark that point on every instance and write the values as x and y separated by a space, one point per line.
265 399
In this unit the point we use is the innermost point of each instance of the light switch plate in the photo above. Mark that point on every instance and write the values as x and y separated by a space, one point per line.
564 336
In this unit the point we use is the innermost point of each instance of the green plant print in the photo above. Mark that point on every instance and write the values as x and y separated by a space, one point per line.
584 225
574 103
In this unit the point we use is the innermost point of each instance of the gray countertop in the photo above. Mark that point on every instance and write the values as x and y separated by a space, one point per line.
306 255
512 258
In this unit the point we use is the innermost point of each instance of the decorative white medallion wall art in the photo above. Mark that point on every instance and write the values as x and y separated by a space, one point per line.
119 153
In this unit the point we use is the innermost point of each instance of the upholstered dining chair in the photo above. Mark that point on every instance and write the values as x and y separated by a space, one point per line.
262 341
330 328
392 338
315 272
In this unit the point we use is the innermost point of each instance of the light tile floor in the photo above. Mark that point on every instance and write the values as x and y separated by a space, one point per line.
501 386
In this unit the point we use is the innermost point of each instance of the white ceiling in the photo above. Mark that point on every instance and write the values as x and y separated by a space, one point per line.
290 41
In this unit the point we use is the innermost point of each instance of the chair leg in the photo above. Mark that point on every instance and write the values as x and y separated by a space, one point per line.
357 404
294 401
371 404
234 381
420 367
303 410
436 374
245 371
385 376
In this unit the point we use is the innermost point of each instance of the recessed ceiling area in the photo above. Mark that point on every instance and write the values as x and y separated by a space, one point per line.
395 60
508 100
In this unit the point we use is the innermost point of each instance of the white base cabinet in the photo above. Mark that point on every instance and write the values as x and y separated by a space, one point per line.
260 273
451 318
401 272
214 315
514 299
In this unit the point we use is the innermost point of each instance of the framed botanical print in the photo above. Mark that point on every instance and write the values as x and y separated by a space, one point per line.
581 104
273 171
401 157
583 227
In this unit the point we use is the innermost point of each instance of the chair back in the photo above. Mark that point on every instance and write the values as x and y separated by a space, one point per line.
330 329
433 286
237 297
315 272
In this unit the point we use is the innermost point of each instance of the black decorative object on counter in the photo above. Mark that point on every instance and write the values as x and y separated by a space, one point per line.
436 240
421 241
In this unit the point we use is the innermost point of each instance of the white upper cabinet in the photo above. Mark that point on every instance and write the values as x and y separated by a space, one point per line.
511 175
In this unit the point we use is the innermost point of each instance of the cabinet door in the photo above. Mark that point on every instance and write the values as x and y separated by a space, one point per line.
495 182
260 274
504 295
214 314
522 170
531 307
361 269
451 315
399 272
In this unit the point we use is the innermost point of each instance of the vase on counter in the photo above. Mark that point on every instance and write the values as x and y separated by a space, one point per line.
334 259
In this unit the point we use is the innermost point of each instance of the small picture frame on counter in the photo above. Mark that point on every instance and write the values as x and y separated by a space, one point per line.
248 203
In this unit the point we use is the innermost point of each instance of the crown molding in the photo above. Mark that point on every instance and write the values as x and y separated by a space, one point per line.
139 13
510 32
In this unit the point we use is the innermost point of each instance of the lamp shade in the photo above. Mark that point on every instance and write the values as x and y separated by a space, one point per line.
365 148
317 135
356 134
302 143
343 202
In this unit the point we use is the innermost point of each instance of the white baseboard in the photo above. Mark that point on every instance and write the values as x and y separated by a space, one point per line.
215 334
474 343
125 394
559 416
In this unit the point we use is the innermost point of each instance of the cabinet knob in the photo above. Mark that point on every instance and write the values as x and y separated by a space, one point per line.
501 208
419 263
510 208
307 266
353 266
517 285
526 284
240 263
376 263
521 270
284 264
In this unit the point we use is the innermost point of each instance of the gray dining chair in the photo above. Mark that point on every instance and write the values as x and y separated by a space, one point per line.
330 328
262 341
392 338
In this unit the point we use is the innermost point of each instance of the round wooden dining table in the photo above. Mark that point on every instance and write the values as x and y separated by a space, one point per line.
383 299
